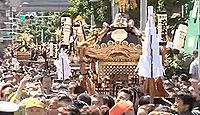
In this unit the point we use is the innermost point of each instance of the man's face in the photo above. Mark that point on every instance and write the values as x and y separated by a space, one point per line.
122 96
47 82
180 107
35 111
53 106
31 89
96 102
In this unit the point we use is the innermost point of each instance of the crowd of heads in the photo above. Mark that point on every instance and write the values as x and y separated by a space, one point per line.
38 92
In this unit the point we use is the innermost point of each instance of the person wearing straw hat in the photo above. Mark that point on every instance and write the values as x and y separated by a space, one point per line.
33 106
8 108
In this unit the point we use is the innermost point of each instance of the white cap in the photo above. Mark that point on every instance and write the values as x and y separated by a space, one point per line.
8 106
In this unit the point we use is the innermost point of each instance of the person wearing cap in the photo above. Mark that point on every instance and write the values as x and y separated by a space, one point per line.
33 106
193 71
122 108
8 108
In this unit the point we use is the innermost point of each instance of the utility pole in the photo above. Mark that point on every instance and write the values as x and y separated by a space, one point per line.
143 14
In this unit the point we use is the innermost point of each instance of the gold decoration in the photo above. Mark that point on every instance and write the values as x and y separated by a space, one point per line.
80 19
123 4
119 35
26 37
32 45
133 4
120 50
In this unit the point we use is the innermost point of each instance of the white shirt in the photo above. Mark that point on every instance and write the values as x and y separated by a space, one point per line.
194 68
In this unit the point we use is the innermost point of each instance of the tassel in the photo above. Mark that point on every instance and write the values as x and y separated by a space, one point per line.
133 4
122 5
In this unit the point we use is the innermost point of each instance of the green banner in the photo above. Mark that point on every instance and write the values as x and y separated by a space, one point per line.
191 40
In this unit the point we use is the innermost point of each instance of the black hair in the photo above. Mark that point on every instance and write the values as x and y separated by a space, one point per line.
108 100
128 91
187 99
85 98
98 96
144 100
195 52
184 77
73 110
79 104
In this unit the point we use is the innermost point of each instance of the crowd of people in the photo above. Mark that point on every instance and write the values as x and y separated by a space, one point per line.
38 92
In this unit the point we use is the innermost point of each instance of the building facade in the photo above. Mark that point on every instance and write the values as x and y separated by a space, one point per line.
3 18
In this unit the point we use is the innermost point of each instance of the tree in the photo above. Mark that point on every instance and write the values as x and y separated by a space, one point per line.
47 24
172 6
86 8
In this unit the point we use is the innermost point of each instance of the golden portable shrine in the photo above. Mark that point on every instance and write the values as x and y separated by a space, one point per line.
27 52
24 48
112 53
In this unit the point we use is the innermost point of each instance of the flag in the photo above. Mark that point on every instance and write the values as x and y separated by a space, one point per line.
63 67
191 41
144 64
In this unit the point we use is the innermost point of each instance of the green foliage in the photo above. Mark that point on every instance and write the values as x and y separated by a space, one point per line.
168 5
86 8
174 5
102 9
80 7
48 25
177 63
